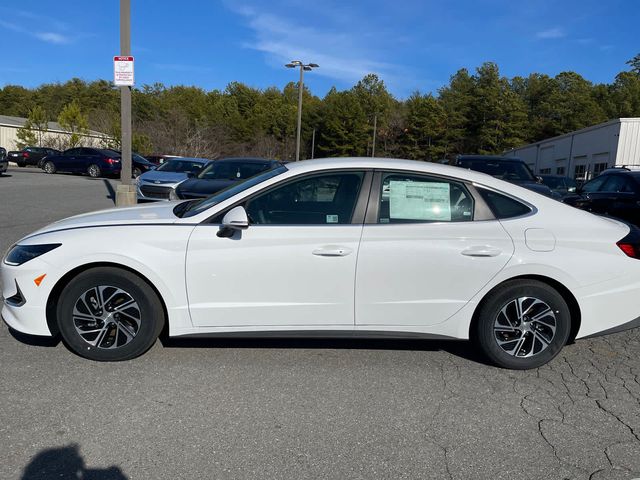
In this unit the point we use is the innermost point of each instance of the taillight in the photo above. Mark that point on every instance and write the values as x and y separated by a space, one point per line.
630 244
110 161
25 154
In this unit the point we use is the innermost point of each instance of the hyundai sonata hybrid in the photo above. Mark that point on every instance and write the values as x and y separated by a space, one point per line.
351 246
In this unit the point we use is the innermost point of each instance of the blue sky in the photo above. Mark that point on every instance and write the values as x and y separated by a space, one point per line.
412 45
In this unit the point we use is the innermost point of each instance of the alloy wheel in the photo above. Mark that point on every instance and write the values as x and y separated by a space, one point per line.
525 326
106 317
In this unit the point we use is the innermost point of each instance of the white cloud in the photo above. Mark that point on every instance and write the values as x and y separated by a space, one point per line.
49 37
52 37
342 54
551 33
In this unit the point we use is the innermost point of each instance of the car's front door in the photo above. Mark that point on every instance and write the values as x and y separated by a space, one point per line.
295 264
422 255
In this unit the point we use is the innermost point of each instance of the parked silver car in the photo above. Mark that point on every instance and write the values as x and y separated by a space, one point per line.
159 184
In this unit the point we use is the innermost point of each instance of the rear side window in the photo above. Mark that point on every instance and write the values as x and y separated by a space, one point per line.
503 206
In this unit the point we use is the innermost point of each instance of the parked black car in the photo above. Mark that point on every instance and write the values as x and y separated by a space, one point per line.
95 162
31 155
222 173
560 185
511 170
4 163
615 193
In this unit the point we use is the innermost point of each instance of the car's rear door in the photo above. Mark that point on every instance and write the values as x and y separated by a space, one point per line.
428 246
293 267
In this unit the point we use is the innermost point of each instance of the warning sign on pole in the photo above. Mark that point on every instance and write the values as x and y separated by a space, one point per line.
123 71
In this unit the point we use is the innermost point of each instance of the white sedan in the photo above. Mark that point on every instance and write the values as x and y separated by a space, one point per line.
351 246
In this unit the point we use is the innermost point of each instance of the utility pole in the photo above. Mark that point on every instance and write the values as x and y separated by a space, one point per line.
375 127
313 143
126 192
308 68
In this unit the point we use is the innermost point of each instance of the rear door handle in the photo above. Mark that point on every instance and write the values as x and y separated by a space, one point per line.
332 251
481 251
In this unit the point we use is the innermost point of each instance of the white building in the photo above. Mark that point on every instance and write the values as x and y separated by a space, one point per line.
55 136
585 153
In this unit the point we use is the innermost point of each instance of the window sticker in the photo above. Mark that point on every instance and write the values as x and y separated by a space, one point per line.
412 200
332 218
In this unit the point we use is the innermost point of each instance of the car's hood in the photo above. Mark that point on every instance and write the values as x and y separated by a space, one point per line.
145 214
156 177
197 186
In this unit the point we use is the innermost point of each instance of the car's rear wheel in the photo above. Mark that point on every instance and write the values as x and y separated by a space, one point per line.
109 314
523 324
49 167
94 171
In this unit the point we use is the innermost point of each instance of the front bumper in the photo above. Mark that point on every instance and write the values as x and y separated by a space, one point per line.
30 315
150 191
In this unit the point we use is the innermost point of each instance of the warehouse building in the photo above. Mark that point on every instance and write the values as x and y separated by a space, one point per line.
55 136
585 153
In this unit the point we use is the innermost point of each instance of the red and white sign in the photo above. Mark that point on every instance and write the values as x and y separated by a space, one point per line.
123 71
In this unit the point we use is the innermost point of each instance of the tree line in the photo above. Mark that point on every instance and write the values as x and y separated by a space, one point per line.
476 112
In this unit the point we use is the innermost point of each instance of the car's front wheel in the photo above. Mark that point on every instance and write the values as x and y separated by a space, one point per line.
109 314
522 325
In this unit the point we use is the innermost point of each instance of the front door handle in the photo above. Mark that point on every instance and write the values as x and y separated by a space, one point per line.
481 251
332 251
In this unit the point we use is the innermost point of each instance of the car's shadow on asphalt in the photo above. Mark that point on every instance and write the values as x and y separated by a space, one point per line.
34 340
460 349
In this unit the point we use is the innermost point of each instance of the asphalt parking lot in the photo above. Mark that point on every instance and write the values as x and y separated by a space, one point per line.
302 408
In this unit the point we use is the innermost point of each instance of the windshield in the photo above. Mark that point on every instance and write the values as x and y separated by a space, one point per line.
232 170
181 166
189 209
509 171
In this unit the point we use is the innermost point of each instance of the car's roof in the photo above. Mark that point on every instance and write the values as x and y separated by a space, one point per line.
394 164
489 158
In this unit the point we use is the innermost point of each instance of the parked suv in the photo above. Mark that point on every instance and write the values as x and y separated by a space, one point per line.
614 193
512 170
31 156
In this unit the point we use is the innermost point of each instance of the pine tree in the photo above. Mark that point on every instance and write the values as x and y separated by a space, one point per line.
73 121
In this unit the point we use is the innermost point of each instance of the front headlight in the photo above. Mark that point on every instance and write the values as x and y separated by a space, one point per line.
19 254
173 195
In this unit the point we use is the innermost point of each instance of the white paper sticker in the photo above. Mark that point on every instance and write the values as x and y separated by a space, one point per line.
332 218
409 200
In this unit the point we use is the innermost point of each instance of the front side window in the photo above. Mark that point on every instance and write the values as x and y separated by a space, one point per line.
416 198
326 199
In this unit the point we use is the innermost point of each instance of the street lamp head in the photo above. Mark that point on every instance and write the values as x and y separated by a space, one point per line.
307 68
289 65
314 65
296 62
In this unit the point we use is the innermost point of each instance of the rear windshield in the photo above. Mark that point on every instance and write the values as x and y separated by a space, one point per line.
109 153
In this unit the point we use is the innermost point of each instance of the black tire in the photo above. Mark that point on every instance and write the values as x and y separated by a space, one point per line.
94 171
49 167
147 308
525 338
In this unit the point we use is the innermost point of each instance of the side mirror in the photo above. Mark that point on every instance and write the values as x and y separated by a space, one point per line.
539 179
235 219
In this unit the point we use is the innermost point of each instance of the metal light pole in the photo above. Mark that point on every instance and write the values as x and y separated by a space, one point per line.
313 144
303 68
125 193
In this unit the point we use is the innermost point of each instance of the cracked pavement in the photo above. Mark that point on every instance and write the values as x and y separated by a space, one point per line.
223 408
